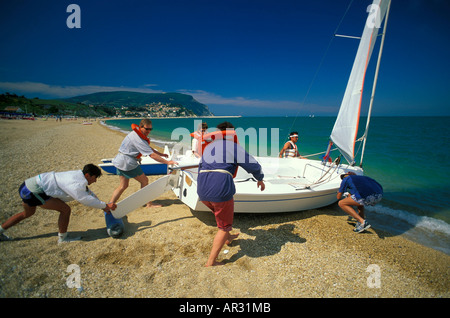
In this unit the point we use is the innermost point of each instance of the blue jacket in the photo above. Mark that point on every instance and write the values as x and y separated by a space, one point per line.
225 155
360 186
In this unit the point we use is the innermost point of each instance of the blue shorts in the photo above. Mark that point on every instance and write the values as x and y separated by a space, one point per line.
30 198
131 173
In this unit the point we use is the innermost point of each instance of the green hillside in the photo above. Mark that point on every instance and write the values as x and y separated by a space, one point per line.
43 107
106 104
134 99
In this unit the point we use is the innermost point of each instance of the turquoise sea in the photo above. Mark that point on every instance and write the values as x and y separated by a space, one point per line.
409 156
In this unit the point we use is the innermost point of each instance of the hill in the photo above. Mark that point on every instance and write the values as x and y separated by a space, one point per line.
134 99
47 107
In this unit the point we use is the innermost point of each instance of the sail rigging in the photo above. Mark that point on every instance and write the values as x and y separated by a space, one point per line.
345 129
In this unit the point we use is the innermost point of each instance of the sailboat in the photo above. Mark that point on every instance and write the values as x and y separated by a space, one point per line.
303 184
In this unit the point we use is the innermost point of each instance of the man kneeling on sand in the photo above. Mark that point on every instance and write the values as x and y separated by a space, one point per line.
51 190
363 191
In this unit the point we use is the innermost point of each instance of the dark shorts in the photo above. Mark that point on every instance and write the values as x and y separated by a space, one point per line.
131 173
29 198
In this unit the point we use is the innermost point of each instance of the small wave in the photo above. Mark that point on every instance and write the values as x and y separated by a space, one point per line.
113 127
424 222
424 230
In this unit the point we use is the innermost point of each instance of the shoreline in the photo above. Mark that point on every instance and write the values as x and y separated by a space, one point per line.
288 255
183 117
157 143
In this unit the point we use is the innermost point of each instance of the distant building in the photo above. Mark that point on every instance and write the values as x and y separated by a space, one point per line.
14 109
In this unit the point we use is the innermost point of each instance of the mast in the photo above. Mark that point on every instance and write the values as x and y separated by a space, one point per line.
345 129
374 85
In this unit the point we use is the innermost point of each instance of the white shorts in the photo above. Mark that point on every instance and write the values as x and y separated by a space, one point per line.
369 200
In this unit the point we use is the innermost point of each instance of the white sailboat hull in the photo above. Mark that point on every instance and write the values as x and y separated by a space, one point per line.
291 185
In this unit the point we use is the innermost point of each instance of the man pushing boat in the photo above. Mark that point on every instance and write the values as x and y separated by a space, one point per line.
216 188
135 145
363 191
51 190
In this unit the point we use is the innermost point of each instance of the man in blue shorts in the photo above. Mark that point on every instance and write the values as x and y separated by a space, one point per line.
363 191
51 190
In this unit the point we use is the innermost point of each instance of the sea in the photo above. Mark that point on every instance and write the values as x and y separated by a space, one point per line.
408 156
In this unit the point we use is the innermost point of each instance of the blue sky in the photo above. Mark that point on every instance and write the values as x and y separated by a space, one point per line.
239 57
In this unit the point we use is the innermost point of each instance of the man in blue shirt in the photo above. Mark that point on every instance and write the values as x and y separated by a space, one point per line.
363 191
215 185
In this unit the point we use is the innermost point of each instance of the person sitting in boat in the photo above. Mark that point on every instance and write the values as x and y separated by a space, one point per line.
198 143
363 191
51 190
134 145
290 149
215 185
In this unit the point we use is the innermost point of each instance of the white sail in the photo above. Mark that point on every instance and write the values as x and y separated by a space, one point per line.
345 129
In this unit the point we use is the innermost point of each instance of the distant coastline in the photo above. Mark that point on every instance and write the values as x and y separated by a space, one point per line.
186 117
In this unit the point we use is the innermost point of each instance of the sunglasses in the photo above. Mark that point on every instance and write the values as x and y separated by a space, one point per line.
148 129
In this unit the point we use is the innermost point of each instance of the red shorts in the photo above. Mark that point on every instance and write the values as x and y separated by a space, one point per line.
224 212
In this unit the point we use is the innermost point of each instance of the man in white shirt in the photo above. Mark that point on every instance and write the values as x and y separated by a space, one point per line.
51 190
290 149
135 145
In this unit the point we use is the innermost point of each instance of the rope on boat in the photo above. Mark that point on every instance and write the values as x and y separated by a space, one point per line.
322 179
319 153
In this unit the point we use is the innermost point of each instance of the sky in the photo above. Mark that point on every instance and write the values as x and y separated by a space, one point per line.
239 57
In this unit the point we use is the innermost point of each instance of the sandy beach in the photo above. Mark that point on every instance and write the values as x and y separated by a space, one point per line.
163 251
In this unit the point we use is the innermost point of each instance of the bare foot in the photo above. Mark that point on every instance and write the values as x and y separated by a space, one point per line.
151 205
214 264
231 238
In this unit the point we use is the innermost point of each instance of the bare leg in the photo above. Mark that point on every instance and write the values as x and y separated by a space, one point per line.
64 212
143 180
51 204
28 211
347 205
63 220
361 211
219 240
123 185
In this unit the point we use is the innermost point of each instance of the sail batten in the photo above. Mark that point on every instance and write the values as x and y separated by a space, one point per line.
344 133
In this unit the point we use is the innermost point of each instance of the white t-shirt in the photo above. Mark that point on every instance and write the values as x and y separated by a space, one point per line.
131 147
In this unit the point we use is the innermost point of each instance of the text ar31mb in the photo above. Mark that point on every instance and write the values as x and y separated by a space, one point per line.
246 307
